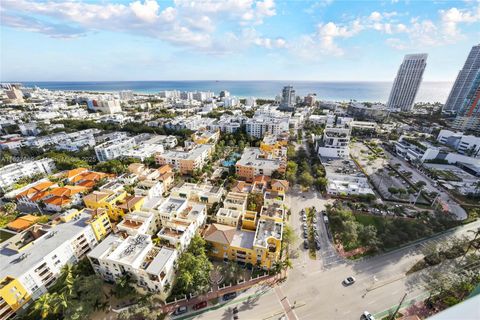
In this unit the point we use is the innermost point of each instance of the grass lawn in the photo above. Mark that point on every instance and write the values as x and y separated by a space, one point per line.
368 220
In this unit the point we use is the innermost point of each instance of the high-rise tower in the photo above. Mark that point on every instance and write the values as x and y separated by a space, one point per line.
464 82
407 82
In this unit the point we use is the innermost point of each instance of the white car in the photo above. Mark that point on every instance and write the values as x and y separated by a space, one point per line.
367 316
348 281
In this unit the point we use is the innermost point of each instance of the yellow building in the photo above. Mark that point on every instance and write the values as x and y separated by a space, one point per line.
12 296
131 204
108 200
99 220
228 243
273 145
260 248
204 137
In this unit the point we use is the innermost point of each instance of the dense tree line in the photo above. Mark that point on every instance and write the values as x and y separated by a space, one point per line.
76 294
304 169
193 271
378 233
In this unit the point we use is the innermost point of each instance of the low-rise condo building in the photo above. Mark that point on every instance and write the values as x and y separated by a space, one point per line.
152 267
255 162
31 261
186 162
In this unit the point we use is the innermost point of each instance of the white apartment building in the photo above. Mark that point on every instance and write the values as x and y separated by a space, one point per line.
407 82
178 233
34 258
150 266
149 189
202 95
464 144
201 193
186 161
105 106
228 124
421 151
126 95
348 185
139 222
261 125
175 208
236 201
230 102
143 151
334 143
228 217
29 129
250 102
113 149
9 174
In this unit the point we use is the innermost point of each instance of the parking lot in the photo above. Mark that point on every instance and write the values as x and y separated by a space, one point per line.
386 180
326 256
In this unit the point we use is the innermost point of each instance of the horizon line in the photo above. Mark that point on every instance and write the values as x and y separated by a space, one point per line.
214 80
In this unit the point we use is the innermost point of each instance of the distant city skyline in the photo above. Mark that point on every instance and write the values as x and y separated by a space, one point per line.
232 40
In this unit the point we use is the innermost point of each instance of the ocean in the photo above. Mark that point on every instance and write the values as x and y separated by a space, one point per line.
337 91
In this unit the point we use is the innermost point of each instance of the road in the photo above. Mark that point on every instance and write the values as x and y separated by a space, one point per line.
314 287
314 290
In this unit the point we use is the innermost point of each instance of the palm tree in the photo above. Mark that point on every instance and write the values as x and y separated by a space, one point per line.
45 305
231 271
287 264
277 267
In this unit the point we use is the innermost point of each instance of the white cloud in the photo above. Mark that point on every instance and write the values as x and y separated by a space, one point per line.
270 43
415 33
324 41
146 11
185 23
452 17
375 16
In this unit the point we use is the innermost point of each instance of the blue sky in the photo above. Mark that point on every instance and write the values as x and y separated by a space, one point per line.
232 39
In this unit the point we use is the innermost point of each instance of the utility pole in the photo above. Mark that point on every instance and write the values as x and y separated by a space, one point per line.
398 308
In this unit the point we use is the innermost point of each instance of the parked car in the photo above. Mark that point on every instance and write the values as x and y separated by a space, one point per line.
367 316
317 245
349 281
229 296
200 305
180 310
304 219
305 234
305 244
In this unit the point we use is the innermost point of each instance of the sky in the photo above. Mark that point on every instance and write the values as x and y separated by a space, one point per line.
325 40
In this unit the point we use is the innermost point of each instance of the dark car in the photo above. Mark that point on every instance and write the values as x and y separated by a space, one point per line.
317 245
180 310
200 305
229 296
305 244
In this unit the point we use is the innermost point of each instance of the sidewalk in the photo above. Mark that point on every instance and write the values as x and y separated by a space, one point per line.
217 293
